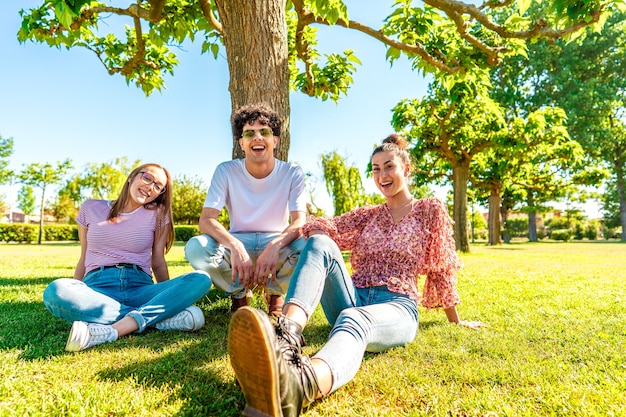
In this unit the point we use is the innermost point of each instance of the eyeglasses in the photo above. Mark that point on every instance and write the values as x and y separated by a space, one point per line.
149 180
265 132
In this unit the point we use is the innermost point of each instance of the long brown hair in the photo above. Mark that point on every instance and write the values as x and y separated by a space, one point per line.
163 204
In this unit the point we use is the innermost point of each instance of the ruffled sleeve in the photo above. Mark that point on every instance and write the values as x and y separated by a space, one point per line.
344 229
440 262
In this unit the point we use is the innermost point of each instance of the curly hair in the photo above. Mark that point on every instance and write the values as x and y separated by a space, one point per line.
251 113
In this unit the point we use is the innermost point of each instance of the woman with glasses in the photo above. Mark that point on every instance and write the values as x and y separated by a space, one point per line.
372 310
123 245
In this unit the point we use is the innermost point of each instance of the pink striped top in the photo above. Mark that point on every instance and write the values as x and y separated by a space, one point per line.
421 244
129 240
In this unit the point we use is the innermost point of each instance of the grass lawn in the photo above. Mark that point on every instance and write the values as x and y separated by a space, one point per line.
555 345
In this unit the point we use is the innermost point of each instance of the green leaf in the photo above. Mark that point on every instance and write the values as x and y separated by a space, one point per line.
64 13
523 5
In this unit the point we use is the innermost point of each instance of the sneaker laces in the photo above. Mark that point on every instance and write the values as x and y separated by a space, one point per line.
177 321
99 333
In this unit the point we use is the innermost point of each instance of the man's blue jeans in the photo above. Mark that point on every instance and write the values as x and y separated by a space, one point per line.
363 319
205 254
107 295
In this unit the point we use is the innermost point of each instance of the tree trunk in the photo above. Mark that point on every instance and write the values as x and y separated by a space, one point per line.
255 39
532 218
460 176
504 216
532 226
43 192
621 193
494 225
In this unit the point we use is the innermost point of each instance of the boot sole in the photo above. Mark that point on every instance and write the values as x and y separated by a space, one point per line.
251 343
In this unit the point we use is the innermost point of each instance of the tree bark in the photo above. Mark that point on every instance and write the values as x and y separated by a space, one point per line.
255 39
532 218
532 226
621 193
494 225
460 176
43 196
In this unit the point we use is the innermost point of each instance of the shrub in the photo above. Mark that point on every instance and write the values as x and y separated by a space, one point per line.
481 234
19 232
60 232
184 233
561 234
517 227
593 230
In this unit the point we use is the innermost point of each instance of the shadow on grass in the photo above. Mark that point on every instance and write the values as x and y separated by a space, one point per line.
30 328
201 390
24 282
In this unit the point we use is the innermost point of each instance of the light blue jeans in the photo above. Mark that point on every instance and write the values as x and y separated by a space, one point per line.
107 295
205 254
363 319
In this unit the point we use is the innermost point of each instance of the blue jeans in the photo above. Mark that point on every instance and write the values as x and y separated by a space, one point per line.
205 254
106 296
363 319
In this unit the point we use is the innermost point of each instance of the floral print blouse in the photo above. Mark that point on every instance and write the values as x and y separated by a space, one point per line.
397 254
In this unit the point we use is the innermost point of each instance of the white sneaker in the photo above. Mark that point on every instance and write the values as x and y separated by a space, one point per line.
85 335
188 320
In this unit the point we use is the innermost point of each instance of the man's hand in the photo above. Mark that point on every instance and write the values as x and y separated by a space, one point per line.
241 266
266 265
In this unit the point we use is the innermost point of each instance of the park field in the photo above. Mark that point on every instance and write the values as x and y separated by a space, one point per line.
555 345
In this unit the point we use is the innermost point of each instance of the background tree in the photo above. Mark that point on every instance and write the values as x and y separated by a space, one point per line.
105 180
188 199
42 176
451 39
97 180
3 205
26 200
6 150
536 152
64 208
611 213
447 136
310 185
344 185
587 78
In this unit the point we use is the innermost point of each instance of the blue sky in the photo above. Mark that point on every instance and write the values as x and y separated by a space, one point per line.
59 104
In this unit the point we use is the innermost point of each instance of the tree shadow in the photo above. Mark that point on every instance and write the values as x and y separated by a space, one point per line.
30 328
203 391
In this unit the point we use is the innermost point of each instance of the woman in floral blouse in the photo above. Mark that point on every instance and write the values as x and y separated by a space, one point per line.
391 245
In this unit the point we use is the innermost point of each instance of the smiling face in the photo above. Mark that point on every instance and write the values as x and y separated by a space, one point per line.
390 174
258 142
146 186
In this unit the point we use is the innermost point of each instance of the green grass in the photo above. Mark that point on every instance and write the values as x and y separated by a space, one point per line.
555 346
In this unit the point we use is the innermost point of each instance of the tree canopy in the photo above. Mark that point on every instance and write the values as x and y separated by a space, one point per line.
453 40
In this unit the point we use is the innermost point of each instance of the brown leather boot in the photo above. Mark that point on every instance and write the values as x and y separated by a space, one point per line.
273 383
274 304
237 303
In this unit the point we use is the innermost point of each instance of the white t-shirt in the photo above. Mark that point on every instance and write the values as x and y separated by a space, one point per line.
257 205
